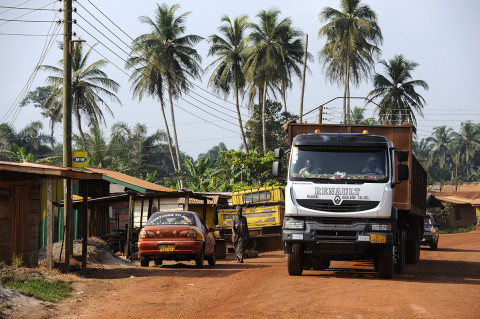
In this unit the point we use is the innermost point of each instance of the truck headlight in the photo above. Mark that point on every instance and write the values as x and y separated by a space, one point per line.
294 224
381 227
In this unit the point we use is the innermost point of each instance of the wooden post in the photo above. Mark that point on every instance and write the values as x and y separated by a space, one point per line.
84 226
49 224
130 213
68 238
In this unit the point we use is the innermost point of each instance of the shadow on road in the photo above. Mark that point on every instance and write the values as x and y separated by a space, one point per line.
425 271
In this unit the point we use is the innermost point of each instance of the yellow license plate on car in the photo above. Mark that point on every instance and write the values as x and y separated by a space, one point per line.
378 239
166 247
254 232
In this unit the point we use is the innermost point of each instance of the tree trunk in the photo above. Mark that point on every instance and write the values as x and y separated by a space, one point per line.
284 97
345 90
169 140
263 119
240 118
177 151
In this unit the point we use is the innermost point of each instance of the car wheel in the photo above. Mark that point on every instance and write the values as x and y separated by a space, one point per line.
144 261
199 259
212 259
158 262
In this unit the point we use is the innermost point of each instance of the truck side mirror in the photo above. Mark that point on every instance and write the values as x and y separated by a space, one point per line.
276 168
403 172
278 153
402 156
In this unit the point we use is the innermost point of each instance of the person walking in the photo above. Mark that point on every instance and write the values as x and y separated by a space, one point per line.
239 234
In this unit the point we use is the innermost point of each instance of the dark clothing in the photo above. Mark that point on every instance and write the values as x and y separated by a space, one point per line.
240 236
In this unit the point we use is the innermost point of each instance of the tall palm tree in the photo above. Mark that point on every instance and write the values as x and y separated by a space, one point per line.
468 142
89 84
396 91
265 59
228 73
352 37
441 142
148 78
176 56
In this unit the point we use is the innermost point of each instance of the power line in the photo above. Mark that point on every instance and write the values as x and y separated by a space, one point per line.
27 12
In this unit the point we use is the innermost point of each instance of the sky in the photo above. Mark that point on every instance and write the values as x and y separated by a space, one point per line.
440 35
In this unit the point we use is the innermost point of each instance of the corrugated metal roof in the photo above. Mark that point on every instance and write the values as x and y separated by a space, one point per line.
129 181
460 187
212 198
48 170
468 198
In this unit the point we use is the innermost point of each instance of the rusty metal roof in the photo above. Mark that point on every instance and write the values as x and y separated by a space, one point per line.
48 170
131 182
464 193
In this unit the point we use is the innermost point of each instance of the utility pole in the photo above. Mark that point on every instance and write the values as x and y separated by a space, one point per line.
67 128
303 78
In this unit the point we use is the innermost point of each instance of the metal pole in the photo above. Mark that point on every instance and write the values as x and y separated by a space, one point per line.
302 90
67 125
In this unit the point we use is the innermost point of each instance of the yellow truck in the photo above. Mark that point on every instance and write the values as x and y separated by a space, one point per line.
264 208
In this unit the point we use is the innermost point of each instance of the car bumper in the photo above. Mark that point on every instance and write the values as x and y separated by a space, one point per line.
428 240
153 248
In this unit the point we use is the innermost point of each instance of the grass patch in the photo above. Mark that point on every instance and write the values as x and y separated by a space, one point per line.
52 291
455 229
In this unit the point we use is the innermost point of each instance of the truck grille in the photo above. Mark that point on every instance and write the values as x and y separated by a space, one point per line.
346 206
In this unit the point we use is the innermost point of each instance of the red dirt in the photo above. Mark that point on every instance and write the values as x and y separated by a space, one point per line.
444 284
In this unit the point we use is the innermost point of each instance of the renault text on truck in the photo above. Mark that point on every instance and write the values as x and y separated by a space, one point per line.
353 192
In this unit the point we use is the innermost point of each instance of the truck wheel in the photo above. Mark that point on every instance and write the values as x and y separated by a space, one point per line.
320 263
295 261
385 264
411 251
400 255
144 261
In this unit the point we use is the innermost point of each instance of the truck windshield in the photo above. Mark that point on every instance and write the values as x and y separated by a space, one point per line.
339 163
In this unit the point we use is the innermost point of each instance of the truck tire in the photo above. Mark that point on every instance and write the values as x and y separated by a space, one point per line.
410 252
295 261
385 264
399 266
320 263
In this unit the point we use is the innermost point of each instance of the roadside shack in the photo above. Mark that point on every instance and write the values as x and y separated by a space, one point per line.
26 200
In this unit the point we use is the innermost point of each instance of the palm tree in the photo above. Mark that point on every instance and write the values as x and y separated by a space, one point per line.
441 142
228 73
265 62
89 84
352 37
176 57
468 143
148 78
199 176
396 91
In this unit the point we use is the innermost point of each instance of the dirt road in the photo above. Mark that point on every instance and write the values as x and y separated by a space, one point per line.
444 284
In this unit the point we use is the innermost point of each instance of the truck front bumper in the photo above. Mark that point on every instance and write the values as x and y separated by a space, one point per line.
335 240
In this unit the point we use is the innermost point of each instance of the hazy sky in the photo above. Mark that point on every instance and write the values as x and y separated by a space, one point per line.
440 35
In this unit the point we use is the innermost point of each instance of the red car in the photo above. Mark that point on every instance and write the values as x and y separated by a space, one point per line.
179 236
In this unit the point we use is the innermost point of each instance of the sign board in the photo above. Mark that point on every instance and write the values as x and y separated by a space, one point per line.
79 159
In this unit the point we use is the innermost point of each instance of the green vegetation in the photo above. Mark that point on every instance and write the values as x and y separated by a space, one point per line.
51 291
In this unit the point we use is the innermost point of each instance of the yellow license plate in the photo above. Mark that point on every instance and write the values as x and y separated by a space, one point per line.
378 239
254 232
166 247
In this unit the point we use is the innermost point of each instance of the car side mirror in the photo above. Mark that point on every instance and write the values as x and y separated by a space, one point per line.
402 156
276 168
403 172
278 153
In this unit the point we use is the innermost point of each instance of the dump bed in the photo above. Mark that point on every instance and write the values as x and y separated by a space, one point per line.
408 195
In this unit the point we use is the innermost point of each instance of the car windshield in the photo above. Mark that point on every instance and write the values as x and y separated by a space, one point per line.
171 218
339 163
